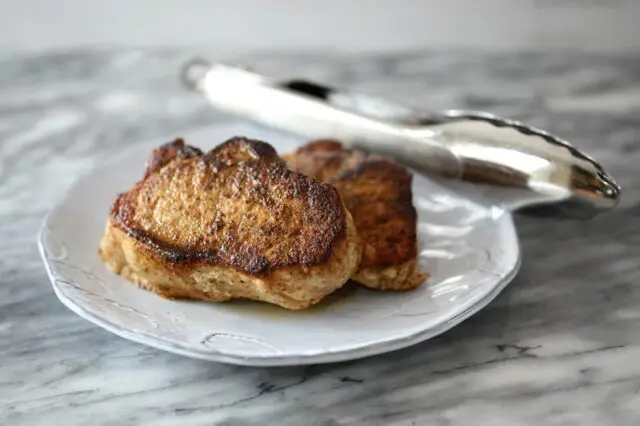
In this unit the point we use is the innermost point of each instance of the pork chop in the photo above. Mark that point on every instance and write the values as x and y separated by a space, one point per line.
234 222
377 192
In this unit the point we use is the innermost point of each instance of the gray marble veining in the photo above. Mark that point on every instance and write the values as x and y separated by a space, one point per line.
558 347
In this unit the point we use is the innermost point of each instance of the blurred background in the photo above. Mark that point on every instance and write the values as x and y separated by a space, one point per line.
354 25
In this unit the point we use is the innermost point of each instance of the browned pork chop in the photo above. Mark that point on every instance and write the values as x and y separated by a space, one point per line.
377 192
234 222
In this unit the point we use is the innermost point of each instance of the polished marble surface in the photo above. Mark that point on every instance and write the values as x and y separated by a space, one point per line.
559 346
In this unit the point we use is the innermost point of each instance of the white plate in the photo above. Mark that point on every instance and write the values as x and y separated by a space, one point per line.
470 251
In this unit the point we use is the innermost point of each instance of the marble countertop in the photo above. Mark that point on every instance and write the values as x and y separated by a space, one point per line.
558 347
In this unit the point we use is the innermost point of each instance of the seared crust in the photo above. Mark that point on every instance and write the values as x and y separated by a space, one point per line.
250 228
162 155
377 193
234 222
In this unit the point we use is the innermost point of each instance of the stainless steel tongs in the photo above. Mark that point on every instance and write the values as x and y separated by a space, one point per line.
492 160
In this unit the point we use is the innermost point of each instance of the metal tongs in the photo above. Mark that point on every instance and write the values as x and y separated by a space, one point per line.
493 160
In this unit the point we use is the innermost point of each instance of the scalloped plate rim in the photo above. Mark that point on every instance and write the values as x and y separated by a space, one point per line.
277 360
